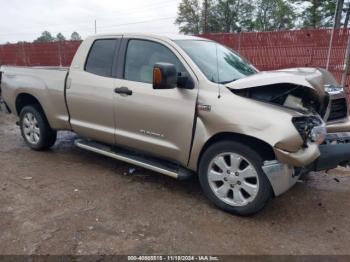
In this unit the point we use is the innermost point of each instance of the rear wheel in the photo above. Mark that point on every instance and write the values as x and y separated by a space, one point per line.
231 176
35 128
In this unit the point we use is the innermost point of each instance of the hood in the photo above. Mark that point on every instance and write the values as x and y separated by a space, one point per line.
313 78
298 88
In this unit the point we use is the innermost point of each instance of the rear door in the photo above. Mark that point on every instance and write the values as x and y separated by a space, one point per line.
158 122
90 92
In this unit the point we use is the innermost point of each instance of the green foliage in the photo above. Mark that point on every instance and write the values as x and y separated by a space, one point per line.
60 37
45 37
189 17
234 15
209 21
317 13
258 15
75 36
274 15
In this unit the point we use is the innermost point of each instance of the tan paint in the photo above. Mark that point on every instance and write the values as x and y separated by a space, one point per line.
160 122
45 84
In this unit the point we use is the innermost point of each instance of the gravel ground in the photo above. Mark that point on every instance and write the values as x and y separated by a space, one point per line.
68 201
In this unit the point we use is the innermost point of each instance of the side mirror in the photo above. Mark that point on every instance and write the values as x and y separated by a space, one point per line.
184 81
164 76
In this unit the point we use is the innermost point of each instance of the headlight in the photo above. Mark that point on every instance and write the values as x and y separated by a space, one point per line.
318 134
310 128
330 89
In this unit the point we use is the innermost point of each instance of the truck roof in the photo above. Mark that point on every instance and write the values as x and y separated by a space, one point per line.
173 37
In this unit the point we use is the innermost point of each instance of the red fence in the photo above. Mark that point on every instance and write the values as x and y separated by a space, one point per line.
39 54
266 50
283 49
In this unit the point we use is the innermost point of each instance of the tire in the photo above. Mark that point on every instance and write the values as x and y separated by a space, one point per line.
35 128
242 188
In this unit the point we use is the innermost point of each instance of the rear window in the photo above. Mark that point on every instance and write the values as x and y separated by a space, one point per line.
101 57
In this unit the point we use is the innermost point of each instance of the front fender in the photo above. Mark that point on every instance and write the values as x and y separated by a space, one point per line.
234 114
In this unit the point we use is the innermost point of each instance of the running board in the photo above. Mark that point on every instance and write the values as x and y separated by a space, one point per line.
160 166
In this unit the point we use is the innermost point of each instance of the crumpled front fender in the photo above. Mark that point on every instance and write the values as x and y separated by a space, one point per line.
301 158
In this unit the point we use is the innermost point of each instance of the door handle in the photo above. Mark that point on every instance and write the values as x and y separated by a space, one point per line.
123 91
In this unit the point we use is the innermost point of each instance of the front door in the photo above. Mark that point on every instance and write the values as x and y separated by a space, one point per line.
158 122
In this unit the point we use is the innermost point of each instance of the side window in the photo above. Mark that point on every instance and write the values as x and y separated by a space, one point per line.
101 56
141 56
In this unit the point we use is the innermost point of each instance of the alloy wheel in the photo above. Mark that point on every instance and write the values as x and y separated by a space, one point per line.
233 179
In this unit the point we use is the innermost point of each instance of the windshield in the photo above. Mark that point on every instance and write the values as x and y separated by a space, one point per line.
218 63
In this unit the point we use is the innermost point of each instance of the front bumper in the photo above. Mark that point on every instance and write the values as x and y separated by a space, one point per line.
281 176
342 126
332 155
335 152
301 158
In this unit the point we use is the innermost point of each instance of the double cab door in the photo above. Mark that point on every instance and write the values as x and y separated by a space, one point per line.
113 101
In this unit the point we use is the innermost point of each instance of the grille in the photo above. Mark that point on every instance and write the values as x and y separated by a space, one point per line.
339 109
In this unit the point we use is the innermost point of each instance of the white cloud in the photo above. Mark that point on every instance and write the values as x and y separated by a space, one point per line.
25 20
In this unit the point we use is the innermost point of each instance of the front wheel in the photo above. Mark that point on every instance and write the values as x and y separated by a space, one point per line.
35 128
231 176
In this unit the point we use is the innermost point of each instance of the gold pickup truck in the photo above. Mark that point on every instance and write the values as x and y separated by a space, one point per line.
182 105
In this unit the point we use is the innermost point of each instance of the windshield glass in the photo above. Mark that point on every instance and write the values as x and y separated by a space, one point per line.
218 63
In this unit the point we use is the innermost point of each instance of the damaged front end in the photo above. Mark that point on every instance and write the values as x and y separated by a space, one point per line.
300 98
321 105
306 90
302 90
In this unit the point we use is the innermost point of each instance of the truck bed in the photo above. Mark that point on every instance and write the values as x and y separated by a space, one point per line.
45 84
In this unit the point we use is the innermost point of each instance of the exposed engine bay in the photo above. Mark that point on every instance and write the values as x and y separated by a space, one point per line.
299 98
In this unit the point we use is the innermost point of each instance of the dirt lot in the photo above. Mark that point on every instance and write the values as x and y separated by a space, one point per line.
68 201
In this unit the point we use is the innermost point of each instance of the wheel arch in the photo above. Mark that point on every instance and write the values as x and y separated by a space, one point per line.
26 99
261 147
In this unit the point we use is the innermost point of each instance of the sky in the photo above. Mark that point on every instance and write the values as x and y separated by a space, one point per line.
25 20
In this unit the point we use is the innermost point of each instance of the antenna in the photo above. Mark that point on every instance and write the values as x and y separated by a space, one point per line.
95 26
217 70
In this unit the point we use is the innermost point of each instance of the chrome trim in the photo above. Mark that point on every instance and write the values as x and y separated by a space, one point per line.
334 96
281 176
126 159
334 89
337 95
328 111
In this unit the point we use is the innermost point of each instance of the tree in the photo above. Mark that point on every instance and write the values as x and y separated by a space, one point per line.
274 15
260 15
60 37
347 17
209 17
189 17
45 37
320 13
234 15
75 36
339 13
